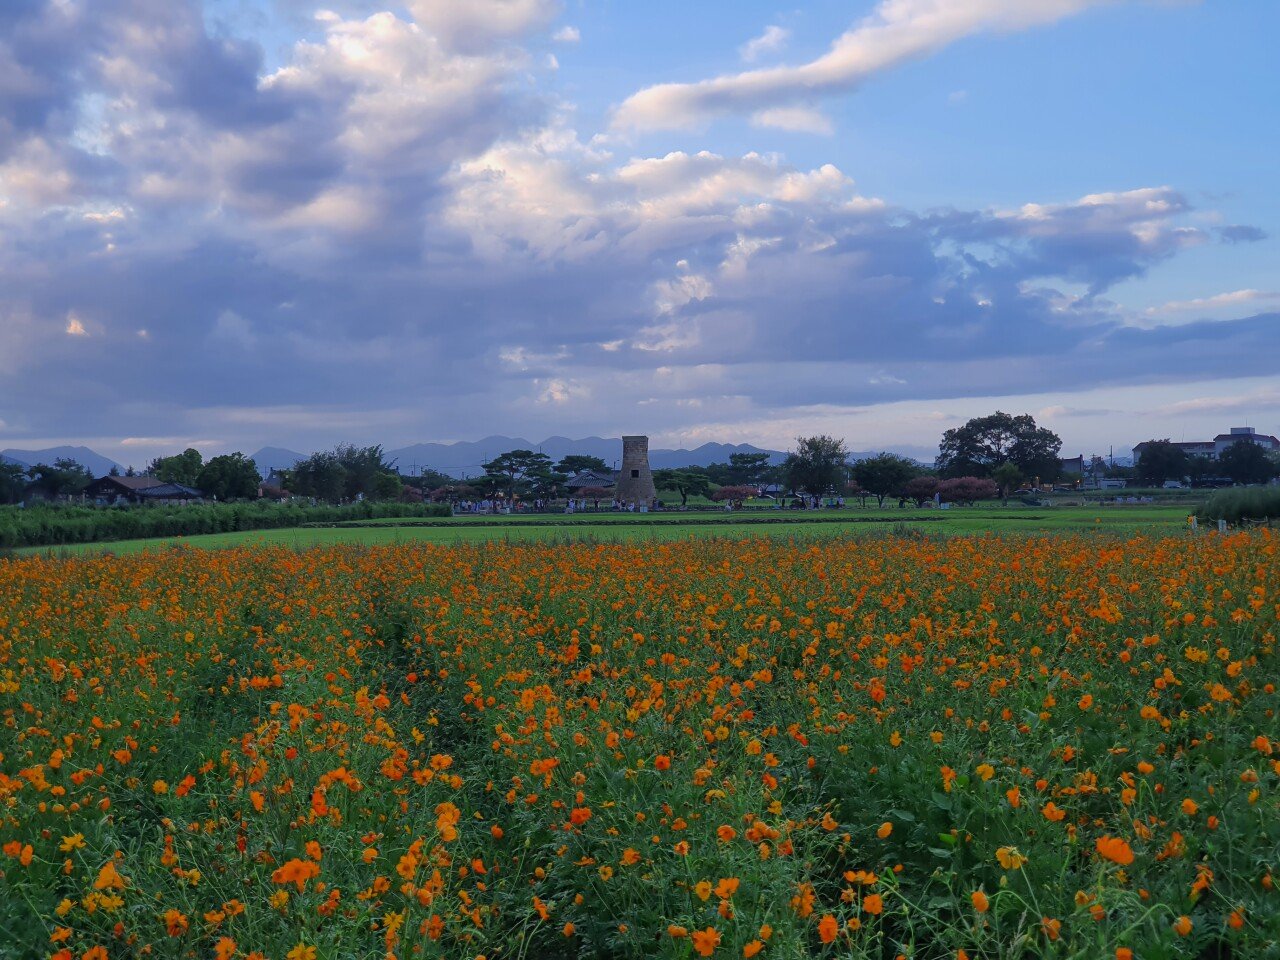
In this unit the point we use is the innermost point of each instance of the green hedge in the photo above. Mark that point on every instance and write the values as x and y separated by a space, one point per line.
1237 504
57 525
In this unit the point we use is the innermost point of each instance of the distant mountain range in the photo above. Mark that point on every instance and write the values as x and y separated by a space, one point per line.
466 457
96 463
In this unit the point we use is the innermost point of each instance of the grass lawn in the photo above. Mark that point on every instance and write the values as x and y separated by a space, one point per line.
1120 519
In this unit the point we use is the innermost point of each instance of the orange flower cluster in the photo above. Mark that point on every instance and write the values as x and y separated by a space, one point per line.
716 749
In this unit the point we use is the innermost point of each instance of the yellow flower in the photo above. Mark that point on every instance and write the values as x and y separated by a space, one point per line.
302 952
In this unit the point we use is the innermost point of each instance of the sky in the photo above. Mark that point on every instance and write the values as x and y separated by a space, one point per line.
237 223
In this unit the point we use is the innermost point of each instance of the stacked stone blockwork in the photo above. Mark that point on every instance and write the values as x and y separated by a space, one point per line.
635 481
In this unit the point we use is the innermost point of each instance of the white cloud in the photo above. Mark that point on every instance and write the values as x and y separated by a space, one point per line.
773 39
567 34
794 119
1209 304
471 26
75 326
559 392
898 30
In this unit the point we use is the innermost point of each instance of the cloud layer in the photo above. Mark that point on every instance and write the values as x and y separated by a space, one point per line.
398 234
897 31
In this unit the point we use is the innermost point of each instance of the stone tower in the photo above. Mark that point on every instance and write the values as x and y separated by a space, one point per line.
635 481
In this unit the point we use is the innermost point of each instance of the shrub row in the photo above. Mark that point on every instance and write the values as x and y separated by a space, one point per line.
1237 504
57 525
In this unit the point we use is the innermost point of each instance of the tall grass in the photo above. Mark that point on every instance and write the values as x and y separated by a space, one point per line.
58 525
1238 504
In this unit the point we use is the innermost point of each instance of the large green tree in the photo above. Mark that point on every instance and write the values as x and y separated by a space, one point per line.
884 475
1159 461
818 465
748 468
183 468
984 443
346 472
64 478
232 476
1246 462
576 463
687 483
321 476
13 480
520 470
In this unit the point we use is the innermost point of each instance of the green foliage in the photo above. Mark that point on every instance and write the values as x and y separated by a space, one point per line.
1237 504
984 443
524 472
232 476
345 473
1007 477
13 480
1246 462
58 525
748 469
184 468
884 475
576 463
1161 460
686 482
64 478
817 465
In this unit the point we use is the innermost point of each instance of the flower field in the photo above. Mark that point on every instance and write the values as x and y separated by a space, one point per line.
969 747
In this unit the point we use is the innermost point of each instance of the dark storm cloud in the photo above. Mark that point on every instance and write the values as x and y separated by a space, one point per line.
1241 233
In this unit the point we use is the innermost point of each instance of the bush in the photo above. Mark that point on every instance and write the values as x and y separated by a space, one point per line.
1236 504
968 490
58 525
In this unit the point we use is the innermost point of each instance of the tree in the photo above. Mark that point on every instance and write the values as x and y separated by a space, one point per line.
984 443
748 469
1245 462
968 490
1159 461
321 476
1200 468
884 475
853 490
13 480
685 482
64 478
920 489
183 468
817 465
517 468
232 476
576 463
1007 477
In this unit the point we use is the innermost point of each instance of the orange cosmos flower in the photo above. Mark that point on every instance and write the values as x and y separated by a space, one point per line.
297 872
109 878
1115 850
175 923
827 928
885 829
706 941
872 904
980 901
1182 926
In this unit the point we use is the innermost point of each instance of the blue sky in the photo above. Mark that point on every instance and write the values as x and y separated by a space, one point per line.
265 221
